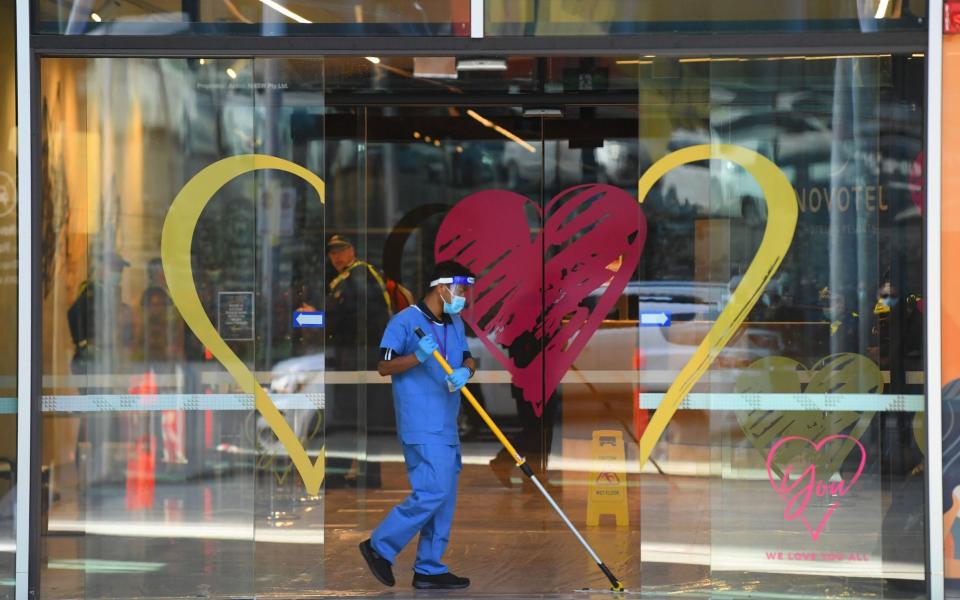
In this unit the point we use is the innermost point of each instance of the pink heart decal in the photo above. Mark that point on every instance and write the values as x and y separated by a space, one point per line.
592 236
797 495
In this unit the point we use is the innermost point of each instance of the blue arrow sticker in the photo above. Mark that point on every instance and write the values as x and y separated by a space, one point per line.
655 319
304 319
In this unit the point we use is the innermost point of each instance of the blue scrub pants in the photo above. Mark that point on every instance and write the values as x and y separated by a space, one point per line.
433 470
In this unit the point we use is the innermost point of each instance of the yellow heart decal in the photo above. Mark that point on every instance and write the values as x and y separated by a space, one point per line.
781 201
182 218
175 245
836 374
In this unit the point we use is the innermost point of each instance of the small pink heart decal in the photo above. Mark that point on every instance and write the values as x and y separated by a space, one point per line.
592 238
797 494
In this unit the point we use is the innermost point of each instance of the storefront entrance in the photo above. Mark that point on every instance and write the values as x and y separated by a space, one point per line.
793 465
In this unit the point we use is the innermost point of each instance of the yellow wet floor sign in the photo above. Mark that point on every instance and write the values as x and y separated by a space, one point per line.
608 484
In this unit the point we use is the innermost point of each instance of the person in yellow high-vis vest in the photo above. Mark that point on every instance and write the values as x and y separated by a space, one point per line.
357 308
357 311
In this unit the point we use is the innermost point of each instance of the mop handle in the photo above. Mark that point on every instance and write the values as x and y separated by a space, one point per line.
477 407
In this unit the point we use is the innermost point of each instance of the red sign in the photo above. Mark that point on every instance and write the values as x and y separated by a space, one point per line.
951 16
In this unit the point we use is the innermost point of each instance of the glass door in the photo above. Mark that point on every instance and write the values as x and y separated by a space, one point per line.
148 467
785 253
543 209
182 401
411 186
8 303
290 350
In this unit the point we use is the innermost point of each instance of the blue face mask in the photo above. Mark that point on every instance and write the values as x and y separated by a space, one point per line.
455 306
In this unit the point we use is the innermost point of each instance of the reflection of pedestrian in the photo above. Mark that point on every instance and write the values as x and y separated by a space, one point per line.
161 342
427 403
358 308
357 311
785 309
844 324
887 301
899 326
101 325
162 334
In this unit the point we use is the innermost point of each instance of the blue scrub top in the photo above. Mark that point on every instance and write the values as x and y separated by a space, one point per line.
426 409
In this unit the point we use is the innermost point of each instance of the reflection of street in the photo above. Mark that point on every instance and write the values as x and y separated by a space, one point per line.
196 536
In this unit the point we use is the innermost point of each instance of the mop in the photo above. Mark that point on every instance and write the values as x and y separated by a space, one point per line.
615 585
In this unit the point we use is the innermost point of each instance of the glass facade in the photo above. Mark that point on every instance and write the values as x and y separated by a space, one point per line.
452 17
621 17
253 17
8 298
161 463
700 311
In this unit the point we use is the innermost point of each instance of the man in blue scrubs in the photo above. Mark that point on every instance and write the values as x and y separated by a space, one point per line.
427 402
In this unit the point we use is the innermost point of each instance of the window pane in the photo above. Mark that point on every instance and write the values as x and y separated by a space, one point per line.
289 123
820 383
8 295
254 17
149 445
167 478
603 17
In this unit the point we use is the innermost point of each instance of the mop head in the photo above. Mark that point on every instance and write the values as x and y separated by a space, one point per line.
618 592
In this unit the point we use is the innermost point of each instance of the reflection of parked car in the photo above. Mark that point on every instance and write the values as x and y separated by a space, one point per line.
725 190
476 163
693 306
620 344
617 162
623 161
424 160
710 188
523 168
300 375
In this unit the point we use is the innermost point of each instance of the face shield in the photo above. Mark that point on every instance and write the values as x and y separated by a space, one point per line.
456 293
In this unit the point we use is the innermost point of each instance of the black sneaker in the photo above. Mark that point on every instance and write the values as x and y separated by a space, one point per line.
379 566
443 581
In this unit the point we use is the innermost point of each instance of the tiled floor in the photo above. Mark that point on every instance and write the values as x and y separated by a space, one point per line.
688 537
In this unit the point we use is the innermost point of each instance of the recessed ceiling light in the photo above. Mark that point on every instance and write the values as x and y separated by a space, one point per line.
283 10
374 59
882 7
482 64
96 17
501 130
540 111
